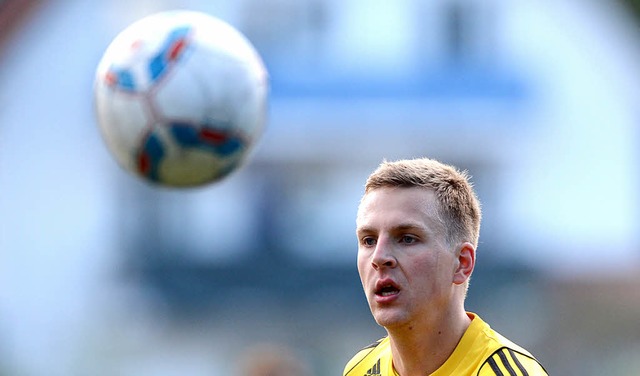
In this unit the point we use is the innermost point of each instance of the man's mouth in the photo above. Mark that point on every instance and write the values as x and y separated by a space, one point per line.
386 288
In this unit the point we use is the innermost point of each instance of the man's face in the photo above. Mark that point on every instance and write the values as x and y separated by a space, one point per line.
405 265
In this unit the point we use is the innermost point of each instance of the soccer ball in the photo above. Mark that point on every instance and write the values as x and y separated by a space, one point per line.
180 98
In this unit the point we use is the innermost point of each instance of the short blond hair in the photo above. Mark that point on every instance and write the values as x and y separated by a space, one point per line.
458 206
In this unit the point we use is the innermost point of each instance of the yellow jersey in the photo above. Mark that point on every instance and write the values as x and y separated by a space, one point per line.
480 352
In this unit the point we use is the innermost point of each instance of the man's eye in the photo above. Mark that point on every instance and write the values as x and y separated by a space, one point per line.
369 241
407 239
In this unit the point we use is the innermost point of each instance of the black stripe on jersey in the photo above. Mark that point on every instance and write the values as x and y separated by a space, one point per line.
494 367
370 348
376 343
492 361
507 365
517 362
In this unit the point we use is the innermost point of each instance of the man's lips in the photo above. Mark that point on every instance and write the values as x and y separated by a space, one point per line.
386 287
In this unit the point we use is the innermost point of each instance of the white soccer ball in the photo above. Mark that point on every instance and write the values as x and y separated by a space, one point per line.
181 98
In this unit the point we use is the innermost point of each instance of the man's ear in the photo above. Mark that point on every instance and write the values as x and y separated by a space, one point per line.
466 254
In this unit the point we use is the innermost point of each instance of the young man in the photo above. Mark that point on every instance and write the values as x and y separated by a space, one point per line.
418 225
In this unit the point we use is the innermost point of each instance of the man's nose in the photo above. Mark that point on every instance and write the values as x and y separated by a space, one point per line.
383 255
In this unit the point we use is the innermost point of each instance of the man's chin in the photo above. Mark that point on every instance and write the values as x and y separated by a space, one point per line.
389 318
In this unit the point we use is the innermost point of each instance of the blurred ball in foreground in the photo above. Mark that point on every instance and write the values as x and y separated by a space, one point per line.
181 98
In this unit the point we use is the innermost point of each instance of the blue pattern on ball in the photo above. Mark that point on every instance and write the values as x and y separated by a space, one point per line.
170 51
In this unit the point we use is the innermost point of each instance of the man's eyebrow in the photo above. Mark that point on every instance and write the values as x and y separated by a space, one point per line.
407 226
365 230
400 227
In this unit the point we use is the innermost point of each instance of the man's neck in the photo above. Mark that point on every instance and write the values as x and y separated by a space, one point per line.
419 349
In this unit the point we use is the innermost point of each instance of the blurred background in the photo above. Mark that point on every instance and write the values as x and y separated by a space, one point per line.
103 274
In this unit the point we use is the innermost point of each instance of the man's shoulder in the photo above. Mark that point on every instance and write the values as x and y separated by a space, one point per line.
505 357
511 361
367 359
483 351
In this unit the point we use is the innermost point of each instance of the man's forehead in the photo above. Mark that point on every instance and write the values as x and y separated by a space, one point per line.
399 206
422 196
